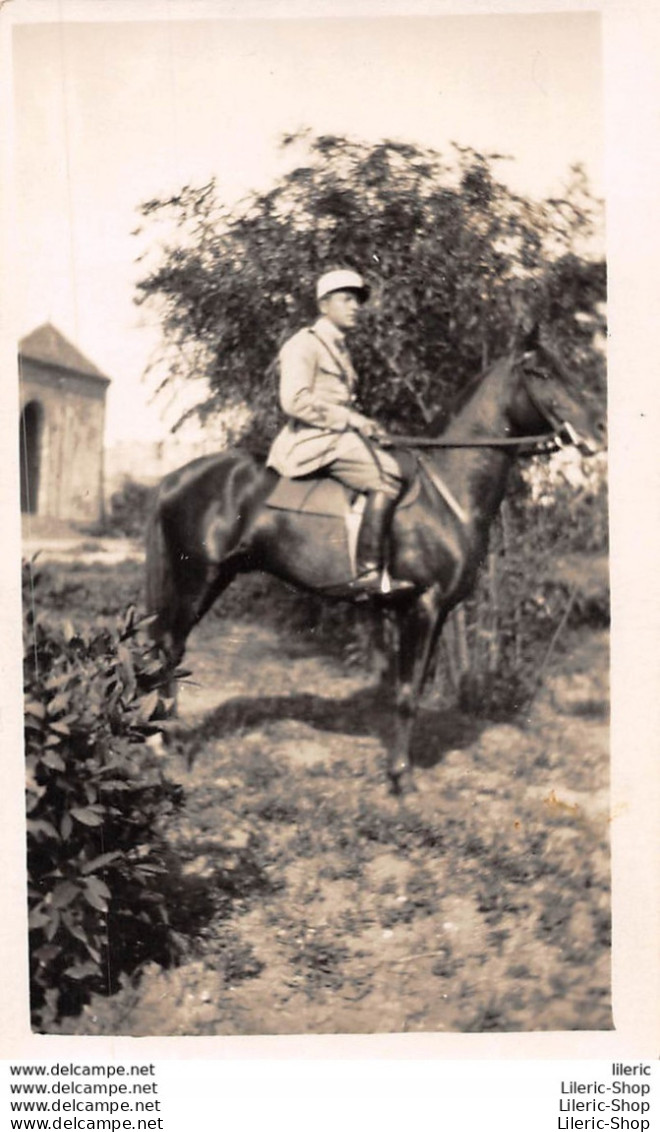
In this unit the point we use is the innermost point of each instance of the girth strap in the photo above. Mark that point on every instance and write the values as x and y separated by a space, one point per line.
442 489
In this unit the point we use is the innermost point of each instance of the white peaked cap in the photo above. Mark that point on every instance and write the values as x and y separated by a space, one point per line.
343 279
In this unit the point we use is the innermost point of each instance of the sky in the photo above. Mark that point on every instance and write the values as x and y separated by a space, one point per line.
110 114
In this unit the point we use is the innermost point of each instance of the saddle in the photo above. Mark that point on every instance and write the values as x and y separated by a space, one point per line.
320 495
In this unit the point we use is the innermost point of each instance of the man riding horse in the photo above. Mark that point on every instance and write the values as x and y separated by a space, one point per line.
324 430
212 519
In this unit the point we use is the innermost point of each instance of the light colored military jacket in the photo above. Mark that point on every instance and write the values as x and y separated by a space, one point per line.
316 390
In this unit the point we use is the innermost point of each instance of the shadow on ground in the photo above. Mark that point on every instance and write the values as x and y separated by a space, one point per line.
435 731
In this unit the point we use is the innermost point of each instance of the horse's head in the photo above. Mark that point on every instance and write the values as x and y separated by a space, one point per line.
548 400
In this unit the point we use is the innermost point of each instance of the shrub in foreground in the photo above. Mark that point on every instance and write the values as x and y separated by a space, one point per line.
96 803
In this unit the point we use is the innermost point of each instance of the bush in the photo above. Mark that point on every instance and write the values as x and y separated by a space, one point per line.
96 803
127 513
543 548
95 590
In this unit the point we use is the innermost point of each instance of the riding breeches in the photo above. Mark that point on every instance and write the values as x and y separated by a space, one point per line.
364 466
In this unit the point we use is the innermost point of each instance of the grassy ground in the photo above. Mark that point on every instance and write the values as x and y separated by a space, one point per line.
306 899
321 904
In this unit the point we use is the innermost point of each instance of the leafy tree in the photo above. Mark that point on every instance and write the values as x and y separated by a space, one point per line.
456 261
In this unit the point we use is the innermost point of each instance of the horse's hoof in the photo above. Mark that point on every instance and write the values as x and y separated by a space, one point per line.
401 781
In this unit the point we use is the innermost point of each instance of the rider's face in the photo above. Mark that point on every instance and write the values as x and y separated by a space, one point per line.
342 308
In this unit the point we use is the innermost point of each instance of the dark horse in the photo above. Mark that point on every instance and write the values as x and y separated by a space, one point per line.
209 522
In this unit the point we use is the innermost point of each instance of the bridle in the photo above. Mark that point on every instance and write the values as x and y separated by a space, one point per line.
562 431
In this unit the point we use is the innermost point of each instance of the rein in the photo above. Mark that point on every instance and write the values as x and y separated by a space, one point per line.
540 442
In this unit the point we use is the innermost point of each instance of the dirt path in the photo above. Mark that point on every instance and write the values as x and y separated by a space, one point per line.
248 659
480 902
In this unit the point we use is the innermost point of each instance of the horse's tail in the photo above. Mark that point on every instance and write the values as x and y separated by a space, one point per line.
159 585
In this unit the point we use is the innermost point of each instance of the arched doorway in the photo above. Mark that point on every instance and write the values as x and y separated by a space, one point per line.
31 427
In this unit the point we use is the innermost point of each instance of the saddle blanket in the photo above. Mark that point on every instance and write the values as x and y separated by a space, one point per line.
317 496
322 495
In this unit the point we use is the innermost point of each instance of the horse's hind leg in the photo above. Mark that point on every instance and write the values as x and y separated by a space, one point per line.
201 586
170 629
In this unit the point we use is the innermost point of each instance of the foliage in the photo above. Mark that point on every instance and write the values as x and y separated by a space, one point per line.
456 261
493 648
566 503
127 513
96 591
96 802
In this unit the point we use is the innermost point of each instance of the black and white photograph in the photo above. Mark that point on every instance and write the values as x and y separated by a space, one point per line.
312 422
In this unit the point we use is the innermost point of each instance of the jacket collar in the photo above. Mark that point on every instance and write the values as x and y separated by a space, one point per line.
331 335
333 340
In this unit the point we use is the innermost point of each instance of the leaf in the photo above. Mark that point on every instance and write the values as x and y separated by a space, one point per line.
95 884
86 816
59 702
38 825
38 918
66 825
31 765
32 800
68 631
168 724
126 661
50 930
96 900
148 705
63 894
67 719
36 709
74 928
101 862
57 680
54 761
150 619
129 620
82 970
60 728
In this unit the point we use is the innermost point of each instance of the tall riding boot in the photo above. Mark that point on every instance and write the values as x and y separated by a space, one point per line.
370 555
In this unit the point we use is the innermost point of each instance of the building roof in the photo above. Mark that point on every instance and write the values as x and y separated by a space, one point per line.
46 344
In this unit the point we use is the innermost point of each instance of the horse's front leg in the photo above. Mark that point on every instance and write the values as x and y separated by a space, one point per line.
403 627
413 635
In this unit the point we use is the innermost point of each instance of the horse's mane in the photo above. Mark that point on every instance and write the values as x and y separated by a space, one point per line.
442 418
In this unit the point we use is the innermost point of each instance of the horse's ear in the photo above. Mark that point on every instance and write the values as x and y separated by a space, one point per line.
526 330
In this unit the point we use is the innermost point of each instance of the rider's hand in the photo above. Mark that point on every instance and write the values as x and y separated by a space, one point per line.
366 427
376 433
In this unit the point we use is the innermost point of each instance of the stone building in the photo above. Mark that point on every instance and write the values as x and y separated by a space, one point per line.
62 403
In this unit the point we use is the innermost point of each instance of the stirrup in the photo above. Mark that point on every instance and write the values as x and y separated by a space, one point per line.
389 585
374 582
